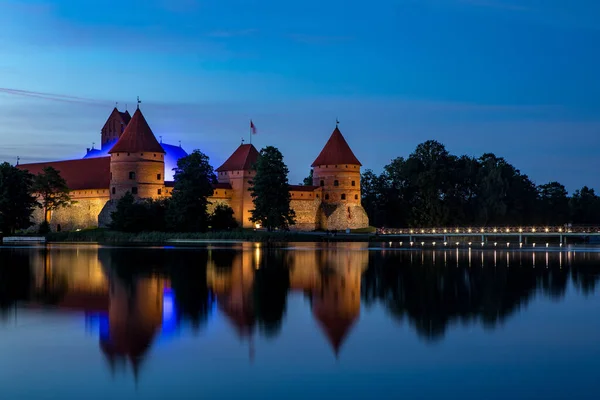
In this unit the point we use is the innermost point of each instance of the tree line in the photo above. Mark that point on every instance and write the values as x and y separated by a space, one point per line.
435 188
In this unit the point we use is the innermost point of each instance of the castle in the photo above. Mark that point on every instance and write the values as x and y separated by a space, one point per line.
131 159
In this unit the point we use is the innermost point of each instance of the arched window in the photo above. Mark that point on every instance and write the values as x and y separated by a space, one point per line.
131 175
159 191
353 183
158 176
343 196
336 183
355 197
322 183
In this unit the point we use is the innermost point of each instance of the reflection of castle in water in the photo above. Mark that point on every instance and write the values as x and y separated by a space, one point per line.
131 307
331 278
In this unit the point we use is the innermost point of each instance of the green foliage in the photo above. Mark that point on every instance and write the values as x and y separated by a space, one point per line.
308 181
434 188
144 215
194 177
52 189
270 191
222 218
44 228
16 201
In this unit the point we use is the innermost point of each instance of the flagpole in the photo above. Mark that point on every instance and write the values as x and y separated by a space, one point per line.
250 131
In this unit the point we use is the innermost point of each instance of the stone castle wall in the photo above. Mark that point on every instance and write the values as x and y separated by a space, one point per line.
81 215
306 214
342 216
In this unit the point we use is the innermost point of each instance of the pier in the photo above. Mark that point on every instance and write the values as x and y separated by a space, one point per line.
496 235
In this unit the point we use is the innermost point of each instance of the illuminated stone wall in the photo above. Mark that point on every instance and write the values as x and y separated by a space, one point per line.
306 214
342 216
81 215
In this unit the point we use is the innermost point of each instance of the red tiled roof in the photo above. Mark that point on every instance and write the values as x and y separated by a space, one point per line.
242 159
87 173
124 117
336 151
138 137
221 186
303 188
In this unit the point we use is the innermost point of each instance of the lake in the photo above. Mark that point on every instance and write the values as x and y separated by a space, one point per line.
343 320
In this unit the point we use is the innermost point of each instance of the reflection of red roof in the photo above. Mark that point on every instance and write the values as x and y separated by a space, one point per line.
336 151
303 188
138 137
242 319
336 327
87 173
242 159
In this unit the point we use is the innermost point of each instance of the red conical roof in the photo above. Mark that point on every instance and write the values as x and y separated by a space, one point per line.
336 151
241 160
137 137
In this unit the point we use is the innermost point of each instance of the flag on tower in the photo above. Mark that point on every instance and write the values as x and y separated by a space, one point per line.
252 127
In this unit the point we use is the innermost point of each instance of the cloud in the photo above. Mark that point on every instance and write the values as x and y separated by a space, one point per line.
497 4
232 33
318 39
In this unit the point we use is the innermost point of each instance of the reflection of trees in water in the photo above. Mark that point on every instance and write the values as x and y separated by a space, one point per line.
16 278
271 285
433 294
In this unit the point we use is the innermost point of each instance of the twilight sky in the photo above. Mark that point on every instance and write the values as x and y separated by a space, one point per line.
519 78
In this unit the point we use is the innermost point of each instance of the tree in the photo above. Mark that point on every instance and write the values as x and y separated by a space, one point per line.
308 181
194 179
585 206
270 191
53 191
554 204
145 215
16 201
222 218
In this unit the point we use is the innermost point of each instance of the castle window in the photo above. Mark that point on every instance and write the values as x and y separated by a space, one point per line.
128 154
336 166
346 166
343 196
326 197
353 183
131 175
111 176
317 196
114 190
134 190
355 197
159 191
336 183
158 176
322 183
155 156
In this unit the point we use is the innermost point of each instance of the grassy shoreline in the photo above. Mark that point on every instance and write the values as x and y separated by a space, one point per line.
104 236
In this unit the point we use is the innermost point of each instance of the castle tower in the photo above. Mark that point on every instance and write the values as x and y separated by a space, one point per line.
137 162
337 171
114 127
238 172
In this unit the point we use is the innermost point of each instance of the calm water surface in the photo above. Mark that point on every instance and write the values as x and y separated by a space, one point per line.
304 321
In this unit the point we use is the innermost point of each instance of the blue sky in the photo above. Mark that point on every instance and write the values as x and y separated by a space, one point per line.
518 78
